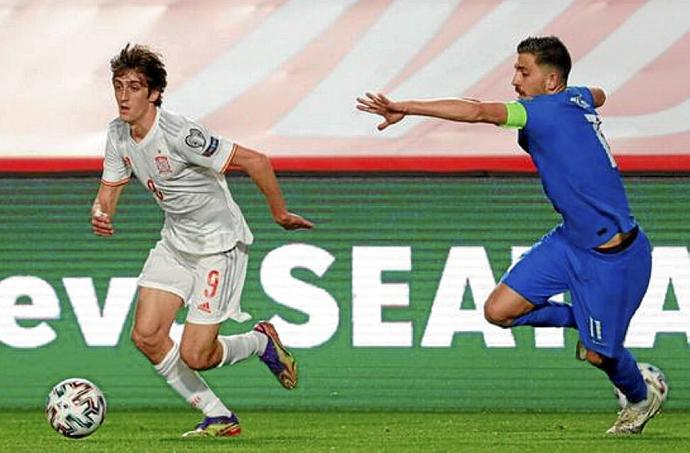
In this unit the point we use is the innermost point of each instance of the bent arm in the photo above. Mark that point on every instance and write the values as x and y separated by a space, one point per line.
259 168
598 95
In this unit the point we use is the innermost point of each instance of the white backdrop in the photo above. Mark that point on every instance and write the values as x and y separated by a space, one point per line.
282 75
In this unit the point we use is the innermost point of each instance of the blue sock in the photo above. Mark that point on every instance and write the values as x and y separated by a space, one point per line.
550 314
625 375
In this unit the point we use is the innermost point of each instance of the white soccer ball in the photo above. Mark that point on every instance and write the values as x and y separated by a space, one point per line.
652 375
75 408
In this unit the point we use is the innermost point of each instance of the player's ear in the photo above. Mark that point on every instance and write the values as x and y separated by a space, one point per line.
154 95
553 80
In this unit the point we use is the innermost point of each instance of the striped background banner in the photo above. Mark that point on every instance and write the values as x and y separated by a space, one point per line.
281 76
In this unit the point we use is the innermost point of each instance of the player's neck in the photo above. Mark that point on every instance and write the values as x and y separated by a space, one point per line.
140 127
557 89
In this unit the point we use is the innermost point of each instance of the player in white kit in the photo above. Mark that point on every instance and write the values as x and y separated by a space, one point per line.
201 258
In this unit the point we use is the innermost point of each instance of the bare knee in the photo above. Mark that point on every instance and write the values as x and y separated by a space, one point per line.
200 348
154 315
197 358
496 316
504 305
151 342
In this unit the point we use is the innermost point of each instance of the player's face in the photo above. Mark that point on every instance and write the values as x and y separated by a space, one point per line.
133 96
530 79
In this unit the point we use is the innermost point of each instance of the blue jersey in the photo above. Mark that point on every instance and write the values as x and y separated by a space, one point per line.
578 172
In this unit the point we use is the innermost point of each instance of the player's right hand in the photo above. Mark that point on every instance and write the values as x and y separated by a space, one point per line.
101 224
392 112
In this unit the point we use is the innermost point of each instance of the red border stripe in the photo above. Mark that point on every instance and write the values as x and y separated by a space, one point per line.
364 164
397 164
50 165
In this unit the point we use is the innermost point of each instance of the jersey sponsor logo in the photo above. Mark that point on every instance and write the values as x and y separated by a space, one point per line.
204 306
163 165
212 147
195 139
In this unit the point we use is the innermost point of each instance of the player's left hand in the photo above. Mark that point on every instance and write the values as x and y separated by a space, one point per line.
291 221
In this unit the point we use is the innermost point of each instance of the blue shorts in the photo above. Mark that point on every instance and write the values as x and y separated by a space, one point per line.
605 289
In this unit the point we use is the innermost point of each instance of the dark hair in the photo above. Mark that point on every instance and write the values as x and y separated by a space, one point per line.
144 61
548 50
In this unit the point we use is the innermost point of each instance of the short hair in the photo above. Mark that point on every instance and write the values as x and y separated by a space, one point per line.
548 50
144 61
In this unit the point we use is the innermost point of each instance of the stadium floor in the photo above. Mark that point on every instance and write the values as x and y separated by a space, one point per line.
158 430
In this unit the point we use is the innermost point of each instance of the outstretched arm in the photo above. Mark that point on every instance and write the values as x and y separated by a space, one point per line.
103 209
462 110
259 168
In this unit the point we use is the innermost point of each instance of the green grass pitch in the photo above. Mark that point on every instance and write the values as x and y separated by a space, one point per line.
159 430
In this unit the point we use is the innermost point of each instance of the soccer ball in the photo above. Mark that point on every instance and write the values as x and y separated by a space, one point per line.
651 375
75 408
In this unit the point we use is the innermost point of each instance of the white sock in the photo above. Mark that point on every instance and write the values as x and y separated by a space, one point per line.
239 347
190 385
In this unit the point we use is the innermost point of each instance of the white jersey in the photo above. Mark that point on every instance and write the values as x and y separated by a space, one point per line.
183 165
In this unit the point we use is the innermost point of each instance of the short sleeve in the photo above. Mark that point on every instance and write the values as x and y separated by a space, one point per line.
586 93
116 169
199 146
538 113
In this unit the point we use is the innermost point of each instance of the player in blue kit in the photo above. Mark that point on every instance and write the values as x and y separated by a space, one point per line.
598 253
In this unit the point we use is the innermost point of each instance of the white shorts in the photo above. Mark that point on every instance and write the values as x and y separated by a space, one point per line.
210 285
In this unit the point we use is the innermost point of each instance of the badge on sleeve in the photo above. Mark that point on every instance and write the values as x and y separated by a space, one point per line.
195 139
212 147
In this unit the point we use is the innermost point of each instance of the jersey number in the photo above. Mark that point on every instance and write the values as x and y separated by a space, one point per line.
595 121
154 190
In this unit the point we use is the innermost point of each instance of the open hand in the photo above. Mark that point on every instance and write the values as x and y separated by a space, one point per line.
379 104
292 221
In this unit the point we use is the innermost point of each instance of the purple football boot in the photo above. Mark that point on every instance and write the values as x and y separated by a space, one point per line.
216 427
278 359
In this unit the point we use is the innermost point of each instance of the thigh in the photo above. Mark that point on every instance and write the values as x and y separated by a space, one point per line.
541 272
505 304
199 347
198 337
218 283
155 311
605 302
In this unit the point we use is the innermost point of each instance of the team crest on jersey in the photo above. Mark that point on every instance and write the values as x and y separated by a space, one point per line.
163 165
195 139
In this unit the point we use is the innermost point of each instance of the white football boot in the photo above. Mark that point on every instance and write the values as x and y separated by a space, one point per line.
634 416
